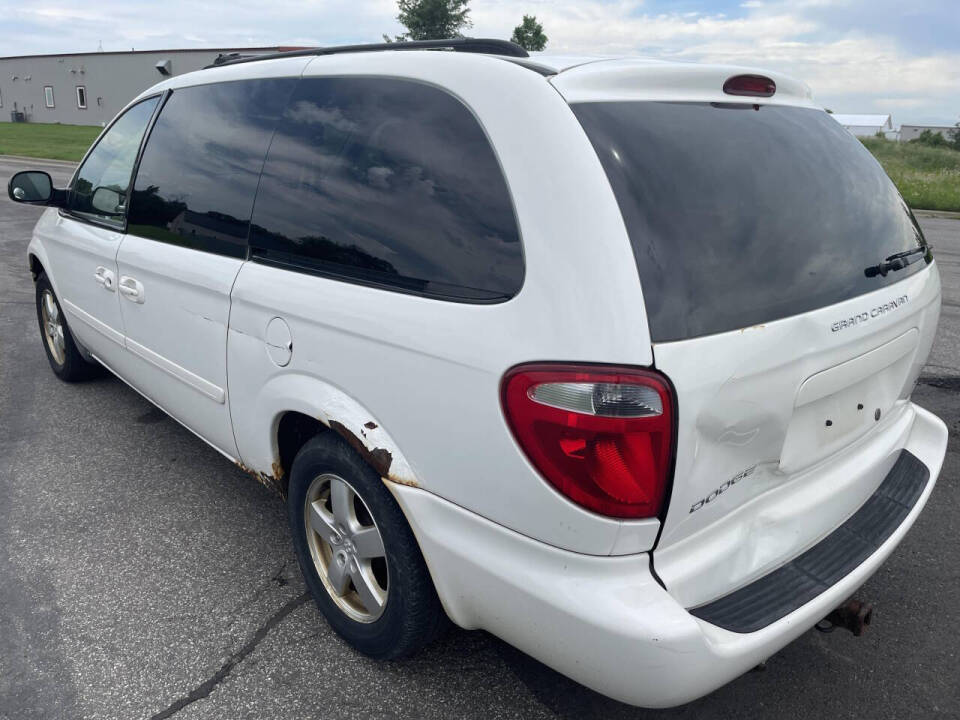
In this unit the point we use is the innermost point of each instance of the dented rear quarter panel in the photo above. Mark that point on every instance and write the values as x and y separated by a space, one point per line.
419 418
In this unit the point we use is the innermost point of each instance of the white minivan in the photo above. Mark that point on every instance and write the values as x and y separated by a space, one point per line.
612 358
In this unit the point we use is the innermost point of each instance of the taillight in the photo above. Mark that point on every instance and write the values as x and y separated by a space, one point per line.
750 85
603 436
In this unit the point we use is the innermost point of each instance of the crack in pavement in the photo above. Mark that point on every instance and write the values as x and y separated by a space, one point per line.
205 688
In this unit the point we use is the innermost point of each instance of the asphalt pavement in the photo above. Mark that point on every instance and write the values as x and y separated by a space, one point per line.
144 576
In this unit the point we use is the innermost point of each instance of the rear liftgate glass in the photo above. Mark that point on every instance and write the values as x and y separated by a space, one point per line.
741 214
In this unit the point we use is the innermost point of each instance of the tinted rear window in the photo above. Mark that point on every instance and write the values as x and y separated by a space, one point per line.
741 214
388 182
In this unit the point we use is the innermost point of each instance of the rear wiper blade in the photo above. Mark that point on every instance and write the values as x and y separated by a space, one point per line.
897 261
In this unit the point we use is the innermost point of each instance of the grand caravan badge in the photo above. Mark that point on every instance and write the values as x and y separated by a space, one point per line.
868 315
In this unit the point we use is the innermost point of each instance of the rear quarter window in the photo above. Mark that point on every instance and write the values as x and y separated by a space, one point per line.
391 183
743 214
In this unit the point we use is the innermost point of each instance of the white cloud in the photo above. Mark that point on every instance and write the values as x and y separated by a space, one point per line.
844 68
901 102
847 67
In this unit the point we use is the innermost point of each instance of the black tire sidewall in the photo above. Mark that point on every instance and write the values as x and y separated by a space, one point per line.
74 366
409 618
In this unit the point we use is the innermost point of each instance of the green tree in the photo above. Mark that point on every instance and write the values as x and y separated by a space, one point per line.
432 19
933 139
529 34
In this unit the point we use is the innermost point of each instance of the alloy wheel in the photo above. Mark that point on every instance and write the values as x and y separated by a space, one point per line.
53 330
346 547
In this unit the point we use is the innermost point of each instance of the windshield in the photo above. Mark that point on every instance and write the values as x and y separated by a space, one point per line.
743 214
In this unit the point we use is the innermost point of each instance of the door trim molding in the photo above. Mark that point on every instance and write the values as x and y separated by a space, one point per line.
98 325
204 387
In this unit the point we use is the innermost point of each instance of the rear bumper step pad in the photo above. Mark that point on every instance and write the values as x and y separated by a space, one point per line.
791 586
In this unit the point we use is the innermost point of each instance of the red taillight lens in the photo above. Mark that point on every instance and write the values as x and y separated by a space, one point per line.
602 436
750 85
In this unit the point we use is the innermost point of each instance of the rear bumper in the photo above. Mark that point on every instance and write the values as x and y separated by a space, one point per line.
794 584
605 621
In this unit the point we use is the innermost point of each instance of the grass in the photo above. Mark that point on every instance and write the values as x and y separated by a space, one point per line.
928 177
40 140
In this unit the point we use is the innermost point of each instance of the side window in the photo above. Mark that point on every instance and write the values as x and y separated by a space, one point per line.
388 182
48 96
199 171
100 187
81 97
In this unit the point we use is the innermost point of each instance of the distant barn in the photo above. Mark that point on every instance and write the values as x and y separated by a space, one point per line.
865 125
911 132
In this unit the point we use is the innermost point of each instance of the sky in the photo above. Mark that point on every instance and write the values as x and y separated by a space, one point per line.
860 56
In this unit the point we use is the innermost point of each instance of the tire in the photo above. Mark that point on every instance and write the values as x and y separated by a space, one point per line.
65 359
328 475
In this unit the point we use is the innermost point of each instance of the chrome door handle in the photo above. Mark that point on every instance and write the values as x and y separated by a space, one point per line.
131 288
104 278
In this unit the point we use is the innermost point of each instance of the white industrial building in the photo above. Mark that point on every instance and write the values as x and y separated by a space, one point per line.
865 125
911 132
91 88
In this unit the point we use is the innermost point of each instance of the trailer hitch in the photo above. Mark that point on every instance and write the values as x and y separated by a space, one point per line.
853 615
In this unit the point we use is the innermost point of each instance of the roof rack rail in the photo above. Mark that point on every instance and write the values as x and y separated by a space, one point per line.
227 57
486 46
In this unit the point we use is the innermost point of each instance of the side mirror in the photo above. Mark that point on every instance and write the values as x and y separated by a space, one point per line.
107 201
31 187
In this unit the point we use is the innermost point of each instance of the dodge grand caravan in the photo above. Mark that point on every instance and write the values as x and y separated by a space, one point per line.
610 357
